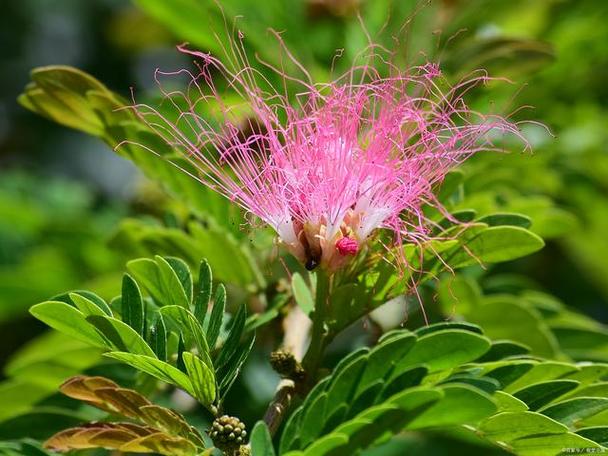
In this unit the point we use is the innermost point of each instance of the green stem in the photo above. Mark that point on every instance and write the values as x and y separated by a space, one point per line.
312 359
319 333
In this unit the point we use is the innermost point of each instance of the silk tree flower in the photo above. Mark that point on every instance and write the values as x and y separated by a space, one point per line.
335 164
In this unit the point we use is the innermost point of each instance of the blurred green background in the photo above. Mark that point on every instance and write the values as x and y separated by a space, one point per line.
63 193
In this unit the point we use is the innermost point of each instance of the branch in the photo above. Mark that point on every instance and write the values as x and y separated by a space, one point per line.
277 409
296 326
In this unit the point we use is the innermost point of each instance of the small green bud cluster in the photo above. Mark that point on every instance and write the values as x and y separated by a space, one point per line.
227 432
286 365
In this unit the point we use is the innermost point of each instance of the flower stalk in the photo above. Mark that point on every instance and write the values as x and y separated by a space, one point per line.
319 336
296 334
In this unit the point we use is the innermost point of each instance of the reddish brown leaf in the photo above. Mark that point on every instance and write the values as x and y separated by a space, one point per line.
160 430
161 443
126 402
121 436
170 422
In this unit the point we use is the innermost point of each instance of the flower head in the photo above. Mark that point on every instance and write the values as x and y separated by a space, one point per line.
335 164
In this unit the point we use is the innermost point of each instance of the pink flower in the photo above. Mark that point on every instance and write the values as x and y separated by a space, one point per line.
331 166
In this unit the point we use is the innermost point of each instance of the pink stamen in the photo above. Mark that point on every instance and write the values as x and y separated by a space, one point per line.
365 151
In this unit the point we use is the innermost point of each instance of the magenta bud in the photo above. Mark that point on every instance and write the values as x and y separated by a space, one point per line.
347 246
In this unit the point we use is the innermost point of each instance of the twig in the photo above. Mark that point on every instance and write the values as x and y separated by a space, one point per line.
296 326
280 404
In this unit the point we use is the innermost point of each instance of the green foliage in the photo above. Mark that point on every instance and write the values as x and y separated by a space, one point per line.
500 238
27 447
529 379
49 225
140 335
38 369
77 100
230 257
532 318
67 96
440 377
437 380
261 441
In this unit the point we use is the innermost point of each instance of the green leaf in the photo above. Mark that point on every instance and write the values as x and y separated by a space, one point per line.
48 359
460 404
201 377
383 358
588 373
508 373
347 306
544 445
494 245
582 342
343 382
598 434
20 396
505 218
446 349
190 329
448 325
156 368
217 316
68 320
158 338
403 379
542 393
181 348
310 425
364 429
387 372
60 93
132 305
302 294
459 294
594 390
185 22
507 317
229 370
86 306
203 296
324 445
460 216
77 100
146 272
508 426
182 271
570 411
508 403
173 291
234 336
486 384
120 336
92 297
501 349
548 370
450 184
260 441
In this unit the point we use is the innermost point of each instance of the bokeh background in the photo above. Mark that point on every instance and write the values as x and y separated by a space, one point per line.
63 194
